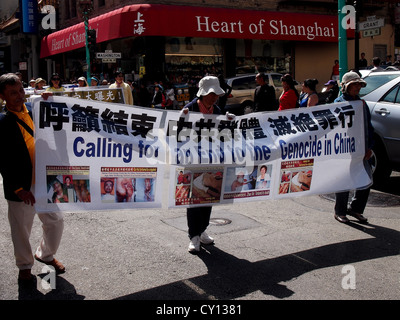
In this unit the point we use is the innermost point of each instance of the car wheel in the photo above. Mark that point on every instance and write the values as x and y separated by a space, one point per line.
380 164
247 108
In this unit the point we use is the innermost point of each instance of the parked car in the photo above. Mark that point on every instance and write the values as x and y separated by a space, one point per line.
382 94
241 99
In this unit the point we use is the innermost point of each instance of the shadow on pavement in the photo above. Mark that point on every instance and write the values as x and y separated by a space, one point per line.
63 291
229 277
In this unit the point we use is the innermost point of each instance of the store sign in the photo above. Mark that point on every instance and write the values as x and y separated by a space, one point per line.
187 21
28 16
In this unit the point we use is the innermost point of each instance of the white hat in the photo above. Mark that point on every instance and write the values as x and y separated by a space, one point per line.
209 84
349 78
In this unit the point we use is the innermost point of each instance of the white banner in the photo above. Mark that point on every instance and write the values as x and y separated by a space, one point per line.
96 156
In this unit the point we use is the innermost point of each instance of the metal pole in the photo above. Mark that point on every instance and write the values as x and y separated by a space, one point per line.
86 19
342 40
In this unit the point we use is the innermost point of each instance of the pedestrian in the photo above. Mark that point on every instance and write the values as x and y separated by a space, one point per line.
198 218
144 96
335 71
94 81
82 82
351 85
171 102
376 61
227 88
362 63
119 83
39 85
264 95
55 84
309 96
290 96
17 170
158 100
32 83
330 92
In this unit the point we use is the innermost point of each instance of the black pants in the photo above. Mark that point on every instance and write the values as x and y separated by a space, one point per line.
198 220
358 203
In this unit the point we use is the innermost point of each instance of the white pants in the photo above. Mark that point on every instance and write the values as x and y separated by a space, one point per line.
20 216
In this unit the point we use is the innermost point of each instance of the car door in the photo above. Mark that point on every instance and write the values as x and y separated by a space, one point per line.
386 121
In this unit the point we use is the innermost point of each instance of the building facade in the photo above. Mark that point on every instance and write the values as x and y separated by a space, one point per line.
181 40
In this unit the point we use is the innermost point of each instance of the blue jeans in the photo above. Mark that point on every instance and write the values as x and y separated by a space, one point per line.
357 204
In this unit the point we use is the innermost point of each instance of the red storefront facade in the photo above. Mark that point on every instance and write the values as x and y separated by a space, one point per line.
157 37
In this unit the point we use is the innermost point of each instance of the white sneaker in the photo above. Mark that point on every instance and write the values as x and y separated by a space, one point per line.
206 239
194 245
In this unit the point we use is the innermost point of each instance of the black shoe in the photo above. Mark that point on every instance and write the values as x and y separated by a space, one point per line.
342 219
358 216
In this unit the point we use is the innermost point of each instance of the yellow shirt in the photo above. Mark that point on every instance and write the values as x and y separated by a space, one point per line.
52 89
29 140
127 91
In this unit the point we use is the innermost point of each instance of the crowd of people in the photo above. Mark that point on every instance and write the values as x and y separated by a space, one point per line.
17 169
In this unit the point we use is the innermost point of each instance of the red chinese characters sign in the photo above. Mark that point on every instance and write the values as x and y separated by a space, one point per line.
185 21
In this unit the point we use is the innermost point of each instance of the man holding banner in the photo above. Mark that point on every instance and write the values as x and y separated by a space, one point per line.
351 86
17 170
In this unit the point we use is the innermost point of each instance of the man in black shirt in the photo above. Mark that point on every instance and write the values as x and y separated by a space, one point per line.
264 96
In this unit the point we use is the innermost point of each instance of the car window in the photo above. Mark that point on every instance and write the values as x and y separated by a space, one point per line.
391 95
244 83
276 79
374 82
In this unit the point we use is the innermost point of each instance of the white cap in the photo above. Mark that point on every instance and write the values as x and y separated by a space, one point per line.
209 84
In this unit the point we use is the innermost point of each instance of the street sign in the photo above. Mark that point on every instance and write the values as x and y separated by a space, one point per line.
108 55
371 24
109 60
371 32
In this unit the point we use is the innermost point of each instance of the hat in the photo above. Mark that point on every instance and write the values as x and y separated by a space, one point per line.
81 79
38 80
209 84
330 82
349 78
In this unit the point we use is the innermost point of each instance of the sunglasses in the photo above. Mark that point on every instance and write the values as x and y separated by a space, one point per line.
56 79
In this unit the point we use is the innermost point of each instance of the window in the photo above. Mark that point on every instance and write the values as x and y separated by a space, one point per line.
374 82
244 83
276 79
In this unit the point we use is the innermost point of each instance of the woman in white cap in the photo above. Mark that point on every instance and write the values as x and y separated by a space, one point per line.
198 218
351 86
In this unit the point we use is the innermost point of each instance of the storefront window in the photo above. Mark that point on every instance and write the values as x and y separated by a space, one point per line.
192 58
254 56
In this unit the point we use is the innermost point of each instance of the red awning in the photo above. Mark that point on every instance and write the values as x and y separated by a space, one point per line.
187 21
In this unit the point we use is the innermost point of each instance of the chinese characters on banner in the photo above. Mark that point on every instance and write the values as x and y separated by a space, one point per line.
96 156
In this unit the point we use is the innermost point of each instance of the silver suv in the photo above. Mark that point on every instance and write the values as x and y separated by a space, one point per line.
241 99
382 94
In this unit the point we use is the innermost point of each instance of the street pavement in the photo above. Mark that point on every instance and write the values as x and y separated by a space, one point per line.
289 249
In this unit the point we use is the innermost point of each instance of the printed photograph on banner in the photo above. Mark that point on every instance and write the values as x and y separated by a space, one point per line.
68 184
296 176
246 182
183 189
127 184
198 185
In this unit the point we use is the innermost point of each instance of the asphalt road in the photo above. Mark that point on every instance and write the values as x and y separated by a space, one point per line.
279 249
